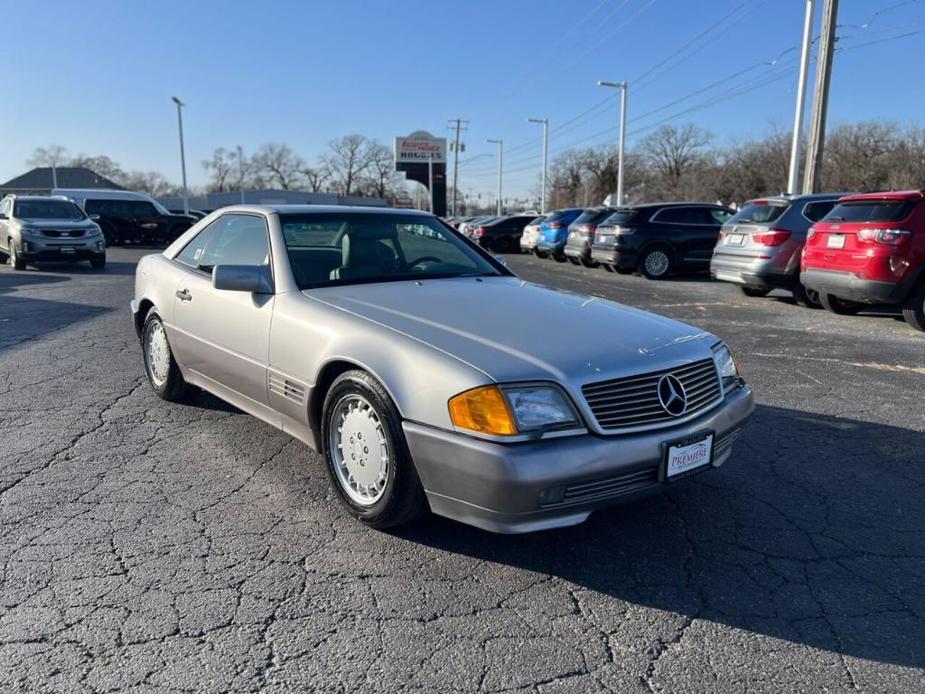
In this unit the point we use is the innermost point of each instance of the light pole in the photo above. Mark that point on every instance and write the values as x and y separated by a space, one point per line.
500 144
430 181
241 172
545 123
793 180
622 86
180 106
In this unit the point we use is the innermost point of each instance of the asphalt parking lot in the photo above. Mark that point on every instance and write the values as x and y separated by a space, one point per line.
154 546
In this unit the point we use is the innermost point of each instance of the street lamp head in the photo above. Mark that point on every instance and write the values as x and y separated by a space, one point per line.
542 121
494 142
606 83
177 101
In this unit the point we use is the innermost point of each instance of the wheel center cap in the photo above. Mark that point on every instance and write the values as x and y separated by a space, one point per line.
360 446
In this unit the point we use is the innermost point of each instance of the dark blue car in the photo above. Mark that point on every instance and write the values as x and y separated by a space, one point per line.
554 232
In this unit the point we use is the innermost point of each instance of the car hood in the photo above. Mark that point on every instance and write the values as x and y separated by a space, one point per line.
513 330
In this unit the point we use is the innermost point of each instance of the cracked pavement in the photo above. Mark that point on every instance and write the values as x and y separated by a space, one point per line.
147 546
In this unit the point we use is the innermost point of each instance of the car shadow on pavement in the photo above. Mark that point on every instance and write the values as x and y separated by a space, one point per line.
112 268
813 533
23 319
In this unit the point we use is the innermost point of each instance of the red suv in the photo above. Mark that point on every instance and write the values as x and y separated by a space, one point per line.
870 249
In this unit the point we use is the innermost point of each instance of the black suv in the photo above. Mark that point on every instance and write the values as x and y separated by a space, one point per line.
135 221
502 234
659 238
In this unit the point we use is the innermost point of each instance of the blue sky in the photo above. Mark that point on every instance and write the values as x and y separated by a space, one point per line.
97 76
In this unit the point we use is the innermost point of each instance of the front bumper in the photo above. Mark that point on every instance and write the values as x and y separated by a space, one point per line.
514 488
41 249
848 286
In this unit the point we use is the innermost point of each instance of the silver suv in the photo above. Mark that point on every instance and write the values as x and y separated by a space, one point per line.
48 228
759 248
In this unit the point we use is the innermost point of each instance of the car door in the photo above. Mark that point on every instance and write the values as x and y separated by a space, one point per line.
706 223
224 335
6 209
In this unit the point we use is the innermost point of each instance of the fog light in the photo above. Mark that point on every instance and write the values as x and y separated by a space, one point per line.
552 495
26 247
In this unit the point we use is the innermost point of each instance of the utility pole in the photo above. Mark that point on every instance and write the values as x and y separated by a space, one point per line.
545 123
180 106
500 144
623 87
793 181
430 180
820 97
241 172
459 126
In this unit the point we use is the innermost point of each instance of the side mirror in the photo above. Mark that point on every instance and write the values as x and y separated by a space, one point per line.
242 278
501 259
95 217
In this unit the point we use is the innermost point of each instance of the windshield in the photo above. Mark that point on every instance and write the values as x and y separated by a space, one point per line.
351 248
759 212
869 211
47 209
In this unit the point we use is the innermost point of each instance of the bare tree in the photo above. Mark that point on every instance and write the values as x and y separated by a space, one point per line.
380 180
315 177
279 165
52 155
101 165
220 166
672 155
346 161
150 182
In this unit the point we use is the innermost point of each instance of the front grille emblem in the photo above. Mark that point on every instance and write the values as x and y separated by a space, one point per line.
671 395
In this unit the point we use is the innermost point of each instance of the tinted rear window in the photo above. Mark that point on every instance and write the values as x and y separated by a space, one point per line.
558 215
870 211
592 216
759 213
620 217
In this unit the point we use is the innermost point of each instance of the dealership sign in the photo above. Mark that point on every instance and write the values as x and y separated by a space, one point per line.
419 148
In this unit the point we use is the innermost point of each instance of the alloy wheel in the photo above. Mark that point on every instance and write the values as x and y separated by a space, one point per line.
656 263
157 353
360 449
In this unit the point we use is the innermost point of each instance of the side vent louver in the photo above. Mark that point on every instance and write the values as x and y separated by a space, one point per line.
287 388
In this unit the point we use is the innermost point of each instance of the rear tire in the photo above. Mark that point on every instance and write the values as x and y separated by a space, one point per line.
587 262
160 366
623 270
559 257
538 253
655 263
914 308
754 292
573 260
841 307
607 266
357 406
807 298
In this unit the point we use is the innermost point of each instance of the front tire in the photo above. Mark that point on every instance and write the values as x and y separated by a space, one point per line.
160 366
914 309
655 263
16 261
98 263
841 307
367 456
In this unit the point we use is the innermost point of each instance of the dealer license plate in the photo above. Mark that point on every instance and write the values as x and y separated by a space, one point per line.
687 456
836 241
66 249
735 239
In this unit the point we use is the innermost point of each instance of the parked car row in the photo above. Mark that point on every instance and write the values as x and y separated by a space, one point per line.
75 225
836 250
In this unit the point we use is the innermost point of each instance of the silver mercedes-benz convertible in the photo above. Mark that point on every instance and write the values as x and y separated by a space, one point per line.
428 375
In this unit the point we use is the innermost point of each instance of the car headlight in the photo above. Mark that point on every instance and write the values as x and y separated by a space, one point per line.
512 410
29 231
93 231
726 367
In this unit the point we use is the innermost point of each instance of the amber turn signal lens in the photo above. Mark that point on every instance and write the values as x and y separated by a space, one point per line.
484 410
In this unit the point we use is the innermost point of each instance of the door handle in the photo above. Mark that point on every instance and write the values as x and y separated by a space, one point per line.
184 295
